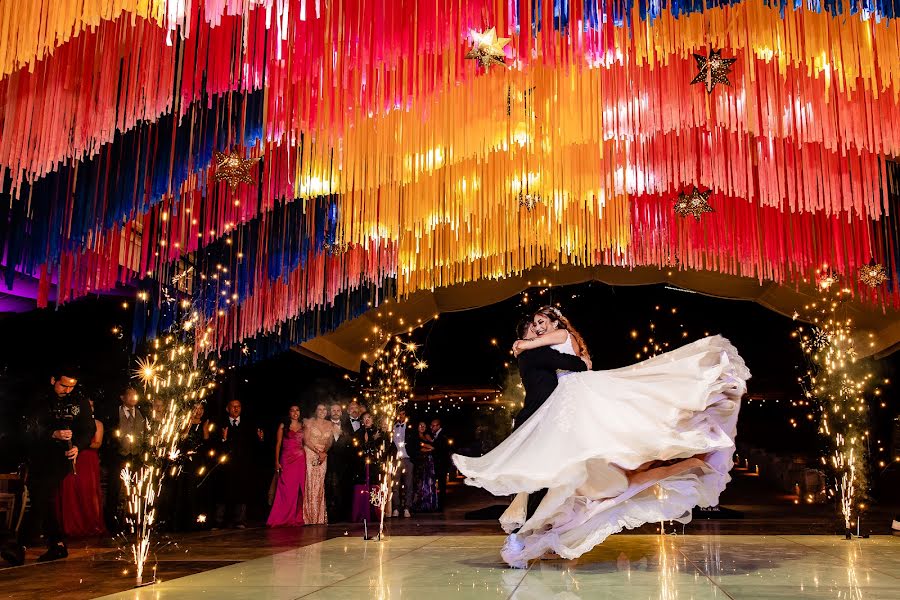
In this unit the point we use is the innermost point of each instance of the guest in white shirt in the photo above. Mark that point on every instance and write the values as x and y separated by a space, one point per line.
339 474
355 411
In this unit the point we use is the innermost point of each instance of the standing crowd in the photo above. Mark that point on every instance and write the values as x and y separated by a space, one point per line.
325 466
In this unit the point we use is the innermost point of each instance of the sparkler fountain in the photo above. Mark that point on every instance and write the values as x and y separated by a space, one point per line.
174 379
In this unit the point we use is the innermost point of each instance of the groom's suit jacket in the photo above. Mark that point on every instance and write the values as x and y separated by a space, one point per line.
537 367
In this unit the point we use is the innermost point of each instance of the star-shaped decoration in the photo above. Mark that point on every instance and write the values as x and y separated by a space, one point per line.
421 365
713 69
820 338
233 169
872 275
695 204
529 200
488 48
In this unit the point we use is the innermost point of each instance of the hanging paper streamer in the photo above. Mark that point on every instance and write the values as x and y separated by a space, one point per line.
390 163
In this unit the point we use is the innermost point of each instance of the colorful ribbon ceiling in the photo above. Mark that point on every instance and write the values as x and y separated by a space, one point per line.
392 163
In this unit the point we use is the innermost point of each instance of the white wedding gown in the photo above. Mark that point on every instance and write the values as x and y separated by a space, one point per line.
617 449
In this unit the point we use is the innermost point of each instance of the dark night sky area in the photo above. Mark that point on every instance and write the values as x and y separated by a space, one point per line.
459 351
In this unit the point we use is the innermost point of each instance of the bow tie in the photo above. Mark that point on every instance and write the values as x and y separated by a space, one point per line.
352 420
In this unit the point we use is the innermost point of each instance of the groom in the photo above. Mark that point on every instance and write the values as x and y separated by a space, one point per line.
538 367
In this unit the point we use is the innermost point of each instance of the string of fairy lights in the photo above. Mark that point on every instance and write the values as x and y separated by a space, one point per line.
175 376
387 386
840 386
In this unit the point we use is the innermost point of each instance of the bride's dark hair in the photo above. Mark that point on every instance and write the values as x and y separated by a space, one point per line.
555 315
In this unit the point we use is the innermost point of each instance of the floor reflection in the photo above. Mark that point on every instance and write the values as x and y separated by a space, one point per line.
649 567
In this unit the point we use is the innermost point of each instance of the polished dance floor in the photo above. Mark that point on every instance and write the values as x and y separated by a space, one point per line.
630 566
775 549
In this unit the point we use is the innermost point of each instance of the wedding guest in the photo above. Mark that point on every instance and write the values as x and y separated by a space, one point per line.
127 431
290 468
189 498
338 483
402 492
441 455
355 411
317 436
78 504
369 442
238 442
58 426
425 498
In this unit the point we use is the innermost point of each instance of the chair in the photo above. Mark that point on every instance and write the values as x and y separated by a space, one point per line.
8 498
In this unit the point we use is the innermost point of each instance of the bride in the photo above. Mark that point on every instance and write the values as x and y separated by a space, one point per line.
614 449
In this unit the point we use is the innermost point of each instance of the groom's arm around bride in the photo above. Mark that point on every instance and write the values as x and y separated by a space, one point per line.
538 368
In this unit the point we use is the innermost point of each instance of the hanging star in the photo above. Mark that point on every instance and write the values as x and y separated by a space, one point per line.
233 169
695 204
529 200
488 48
713 70
421 365
872 275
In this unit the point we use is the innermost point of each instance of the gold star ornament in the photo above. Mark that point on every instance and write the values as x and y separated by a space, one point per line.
713 70
233 169
488 48
872 275
694 204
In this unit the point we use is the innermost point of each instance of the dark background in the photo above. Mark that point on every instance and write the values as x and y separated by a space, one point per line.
459 350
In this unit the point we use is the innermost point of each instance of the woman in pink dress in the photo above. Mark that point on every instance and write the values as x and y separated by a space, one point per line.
290 465
317 435
78 502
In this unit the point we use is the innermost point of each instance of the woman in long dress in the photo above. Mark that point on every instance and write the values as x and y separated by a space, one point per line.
78 501
317 437
615 449
187 495
290 465
425 498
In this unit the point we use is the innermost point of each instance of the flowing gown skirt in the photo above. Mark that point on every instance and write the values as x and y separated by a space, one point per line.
617 449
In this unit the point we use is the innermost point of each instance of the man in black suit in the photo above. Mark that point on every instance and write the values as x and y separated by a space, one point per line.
339 474
58 424
537 368
126 434
441 457
239 442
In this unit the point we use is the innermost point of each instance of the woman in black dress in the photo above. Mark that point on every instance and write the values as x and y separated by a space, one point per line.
425 498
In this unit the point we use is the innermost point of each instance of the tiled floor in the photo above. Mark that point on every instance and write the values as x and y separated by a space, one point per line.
624 567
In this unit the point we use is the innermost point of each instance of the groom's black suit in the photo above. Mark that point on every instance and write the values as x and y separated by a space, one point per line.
538 367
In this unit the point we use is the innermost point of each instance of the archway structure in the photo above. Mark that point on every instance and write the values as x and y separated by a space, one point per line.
878 329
